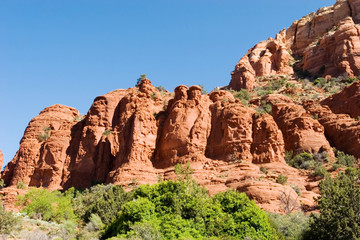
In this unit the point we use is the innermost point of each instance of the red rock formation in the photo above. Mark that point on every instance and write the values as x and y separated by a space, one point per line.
342 131
138 136
231 131
269 57
268 143
326 43
185 129
41 161
301 132
346 101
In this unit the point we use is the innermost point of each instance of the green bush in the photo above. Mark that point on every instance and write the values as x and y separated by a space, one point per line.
296 189
49 206
183 172
291 226
8 221
264 108
184 210
20 185
107 132
2 183
263 169
344 159
281 179
303 160
319 170
320 82
339 208
45 135
243 95
160 89
203 91
142 77
104 201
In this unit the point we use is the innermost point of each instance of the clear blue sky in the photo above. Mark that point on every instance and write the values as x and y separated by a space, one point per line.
70 51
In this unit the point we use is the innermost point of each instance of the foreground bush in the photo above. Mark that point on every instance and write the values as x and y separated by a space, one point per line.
292 226
49 206
339 208
8 221
103 200
184 210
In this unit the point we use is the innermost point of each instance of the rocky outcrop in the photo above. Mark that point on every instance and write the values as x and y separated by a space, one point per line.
185 129
231 131
41 158
346 101
342 131
138 135
268 142
323 43
269 57
302 133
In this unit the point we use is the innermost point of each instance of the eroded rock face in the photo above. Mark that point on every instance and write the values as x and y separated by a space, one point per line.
231 131
41 158
341 130
324 43
138 135
269 57
346 101
186 128
268 143
301 132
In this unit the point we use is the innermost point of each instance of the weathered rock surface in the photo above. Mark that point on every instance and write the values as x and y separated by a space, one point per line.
302 133
323 43
269 57
138 135
342 131
346 101
39 162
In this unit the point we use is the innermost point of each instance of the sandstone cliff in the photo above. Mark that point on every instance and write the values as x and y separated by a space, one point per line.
138 135
319 44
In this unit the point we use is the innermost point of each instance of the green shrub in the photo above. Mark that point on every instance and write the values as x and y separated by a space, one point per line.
319 170
243 95
296 189
184 210
142 77
104 201
263 169
44 136
264 108
281 179
107 132
49 206
339 208
183 172
344 159
20 185
2 183
8 221
320 82
203 91
291 226
303 160
160 88
153 95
